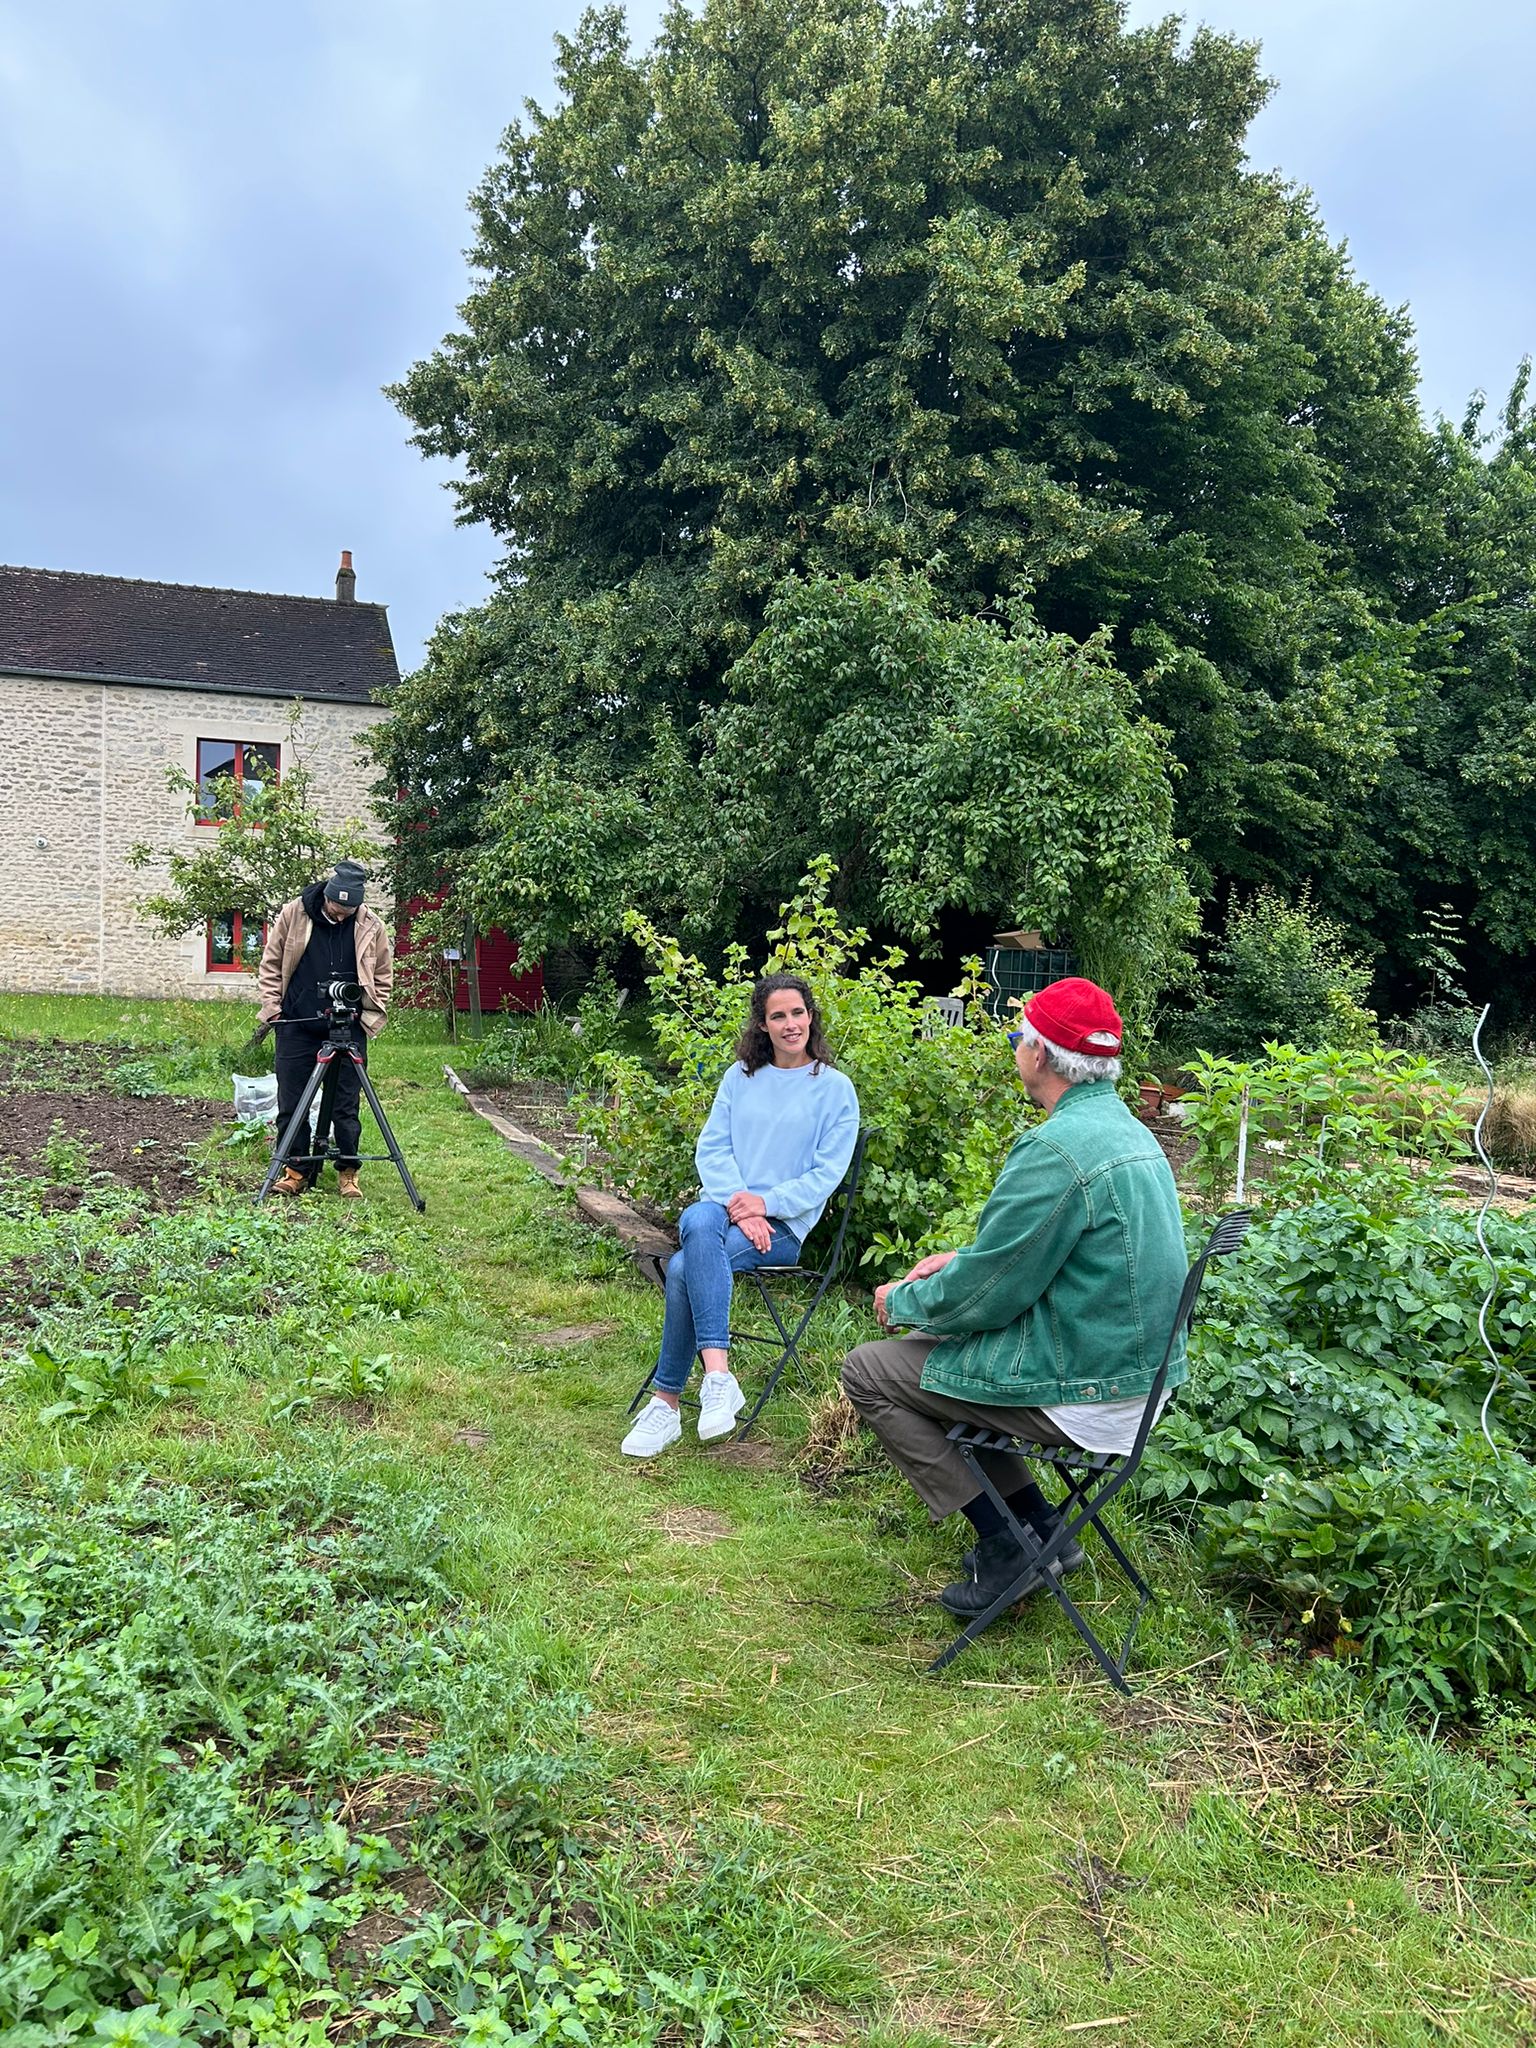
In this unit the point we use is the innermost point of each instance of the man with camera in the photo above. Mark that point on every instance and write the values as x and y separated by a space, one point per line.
323 940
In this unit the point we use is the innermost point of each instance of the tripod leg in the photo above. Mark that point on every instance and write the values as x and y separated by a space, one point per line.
299 1120
385 1132
320 1144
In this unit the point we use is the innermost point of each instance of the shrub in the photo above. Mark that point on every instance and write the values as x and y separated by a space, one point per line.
1324 1121
1282 971
941 1106
1428 1565
1446 1021
1329 1437
550 1043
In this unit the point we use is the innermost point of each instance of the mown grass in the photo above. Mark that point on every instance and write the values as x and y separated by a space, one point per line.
769 1789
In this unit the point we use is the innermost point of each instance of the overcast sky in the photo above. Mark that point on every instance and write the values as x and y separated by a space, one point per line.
223 229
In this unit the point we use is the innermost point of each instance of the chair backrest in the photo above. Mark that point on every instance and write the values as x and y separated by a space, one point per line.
1228 1234
843 1197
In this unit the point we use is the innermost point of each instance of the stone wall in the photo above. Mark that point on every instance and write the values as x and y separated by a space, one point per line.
85 779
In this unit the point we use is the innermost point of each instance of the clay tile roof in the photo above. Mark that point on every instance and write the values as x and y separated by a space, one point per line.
54 622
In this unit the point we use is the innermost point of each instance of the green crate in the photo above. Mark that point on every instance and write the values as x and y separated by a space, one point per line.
1013 971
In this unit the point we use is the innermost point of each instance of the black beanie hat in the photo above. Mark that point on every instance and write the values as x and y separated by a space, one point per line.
346 885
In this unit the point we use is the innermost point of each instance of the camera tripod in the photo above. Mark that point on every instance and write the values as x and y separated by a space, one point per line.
337 1045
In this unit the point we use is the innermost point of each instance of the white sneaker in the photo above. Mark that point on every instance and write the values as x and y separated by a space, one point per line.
720 1402
657 1427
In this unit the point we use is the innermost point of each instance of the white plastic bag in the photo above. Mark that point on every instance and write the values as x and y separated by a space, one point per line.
256 1097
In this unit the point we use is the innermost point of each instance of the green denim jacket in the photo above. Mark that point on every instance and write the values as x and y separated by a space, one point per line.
1069 1290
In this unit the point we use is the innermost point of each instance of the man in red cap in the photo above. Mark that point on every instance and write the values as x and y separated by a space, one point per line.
1051 1325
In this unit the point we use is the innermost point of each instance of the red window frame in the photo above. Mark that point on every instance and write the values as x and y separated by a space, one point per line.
240 964
237 767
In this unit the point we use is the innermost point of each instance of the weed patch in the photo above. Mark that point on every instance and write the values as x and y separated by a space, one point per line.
190 1688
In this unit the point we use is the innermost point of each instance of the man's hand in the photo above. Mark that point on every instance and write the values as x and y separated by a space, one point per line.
758 1232
269 1013
934 1263
743 1205
880 1315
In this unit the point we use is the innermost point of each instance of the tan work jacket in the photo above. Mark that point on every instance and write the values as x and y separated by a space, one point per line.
287 938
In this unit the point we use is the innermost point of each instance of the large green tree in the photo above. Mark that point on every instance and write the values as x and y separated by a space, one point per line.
944 764
977 288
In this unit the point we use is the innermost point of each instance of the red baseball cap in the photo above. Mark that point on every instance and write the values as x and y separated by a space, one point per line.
1077 1016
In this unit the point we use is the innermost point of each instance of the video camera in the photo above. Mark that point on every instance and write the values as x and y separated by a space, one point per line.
341 995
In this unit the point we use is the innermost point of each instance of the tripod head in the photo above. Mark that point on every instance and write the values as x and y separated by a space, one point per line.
341 1008
341 1012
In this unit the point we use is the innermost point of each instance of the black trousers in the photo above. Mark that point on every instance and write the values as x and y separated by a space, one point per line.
342 1090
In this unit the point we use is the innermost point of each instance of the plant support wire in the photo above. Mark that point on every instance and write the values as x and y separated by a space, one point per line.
1495 1276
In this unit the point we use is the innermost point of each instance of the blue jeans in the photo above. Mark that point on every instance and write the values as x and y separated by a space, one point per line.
698 1316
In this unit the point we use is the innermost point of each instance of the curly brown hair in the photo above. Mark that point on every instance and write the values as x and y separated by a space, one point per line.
754 1048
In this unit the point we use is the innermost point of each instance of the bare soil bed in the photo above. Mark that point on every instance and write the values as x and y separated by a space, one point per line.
51 1091
541 1107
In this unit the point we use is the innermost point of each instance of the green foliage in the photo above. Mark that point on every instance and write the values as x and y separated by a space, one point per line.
550 1043
331 1374
1282 972
270 843
188 1686
984 293
941 1105
1429 1565
126 1371
1330 1433
110 1279
1373 1123
66 1160
1446 1021
865 724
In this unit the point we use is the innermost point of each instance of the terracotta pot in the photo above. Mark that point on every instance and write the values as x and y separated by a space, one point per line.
1151 1093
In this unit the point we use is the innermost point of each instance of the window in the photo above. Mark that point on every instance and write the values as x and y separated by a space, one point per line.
235 943
226 769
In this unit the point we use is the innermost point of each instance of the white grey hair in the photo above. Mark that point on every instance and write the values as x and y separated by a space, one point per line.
1071 1067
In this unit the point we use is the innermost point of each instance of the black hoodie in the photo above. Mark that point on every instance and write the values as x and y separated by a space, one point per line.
331 955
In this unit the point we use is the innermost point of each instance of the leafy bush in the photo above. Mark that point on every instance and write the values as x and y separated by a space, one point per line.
550 1044
1338 1364
941 1105
1282 971
1323 1121
1428 1565
1446 1021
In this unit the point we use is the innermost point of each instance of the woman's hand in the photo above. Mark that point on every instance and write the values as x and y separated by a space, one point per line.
934 1263
758 1232
743 1205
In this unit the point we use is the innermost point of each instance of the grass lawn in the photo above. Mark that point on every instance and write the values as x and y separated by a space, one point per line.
757 1781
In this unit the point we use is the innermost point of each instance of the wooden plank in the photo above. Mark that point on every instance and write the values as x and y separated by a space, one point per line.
527 1147
610 1214
607 1211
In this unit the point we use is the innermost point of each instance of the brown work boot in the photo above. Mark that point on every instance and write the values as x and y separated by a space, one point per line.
289 1182
346 1179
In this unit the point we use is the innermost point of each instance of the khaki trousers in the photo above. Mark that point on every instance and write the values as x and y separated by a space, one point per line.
884 1382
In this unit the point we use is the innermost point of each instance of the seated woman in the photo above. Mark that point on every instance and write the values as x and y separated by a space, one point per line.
778 1140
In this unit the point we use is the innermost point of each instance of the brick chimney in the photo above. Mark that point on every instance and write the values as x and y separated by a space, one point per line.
346 579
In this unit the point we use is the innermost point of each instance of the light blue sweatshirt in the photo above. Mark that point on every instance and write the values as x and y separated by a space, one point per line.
785 1133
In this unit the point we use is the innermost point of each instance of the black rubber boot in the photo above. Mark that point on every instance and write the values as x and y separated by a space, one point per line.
1068 1560
997 1562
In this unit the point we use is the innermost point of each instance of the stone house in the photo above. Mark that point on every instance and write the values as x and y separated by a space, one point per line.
105 682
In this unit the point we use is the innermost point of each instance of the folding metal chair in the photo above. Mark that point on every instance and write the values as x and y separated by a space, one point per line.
1091 1479
786 1337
